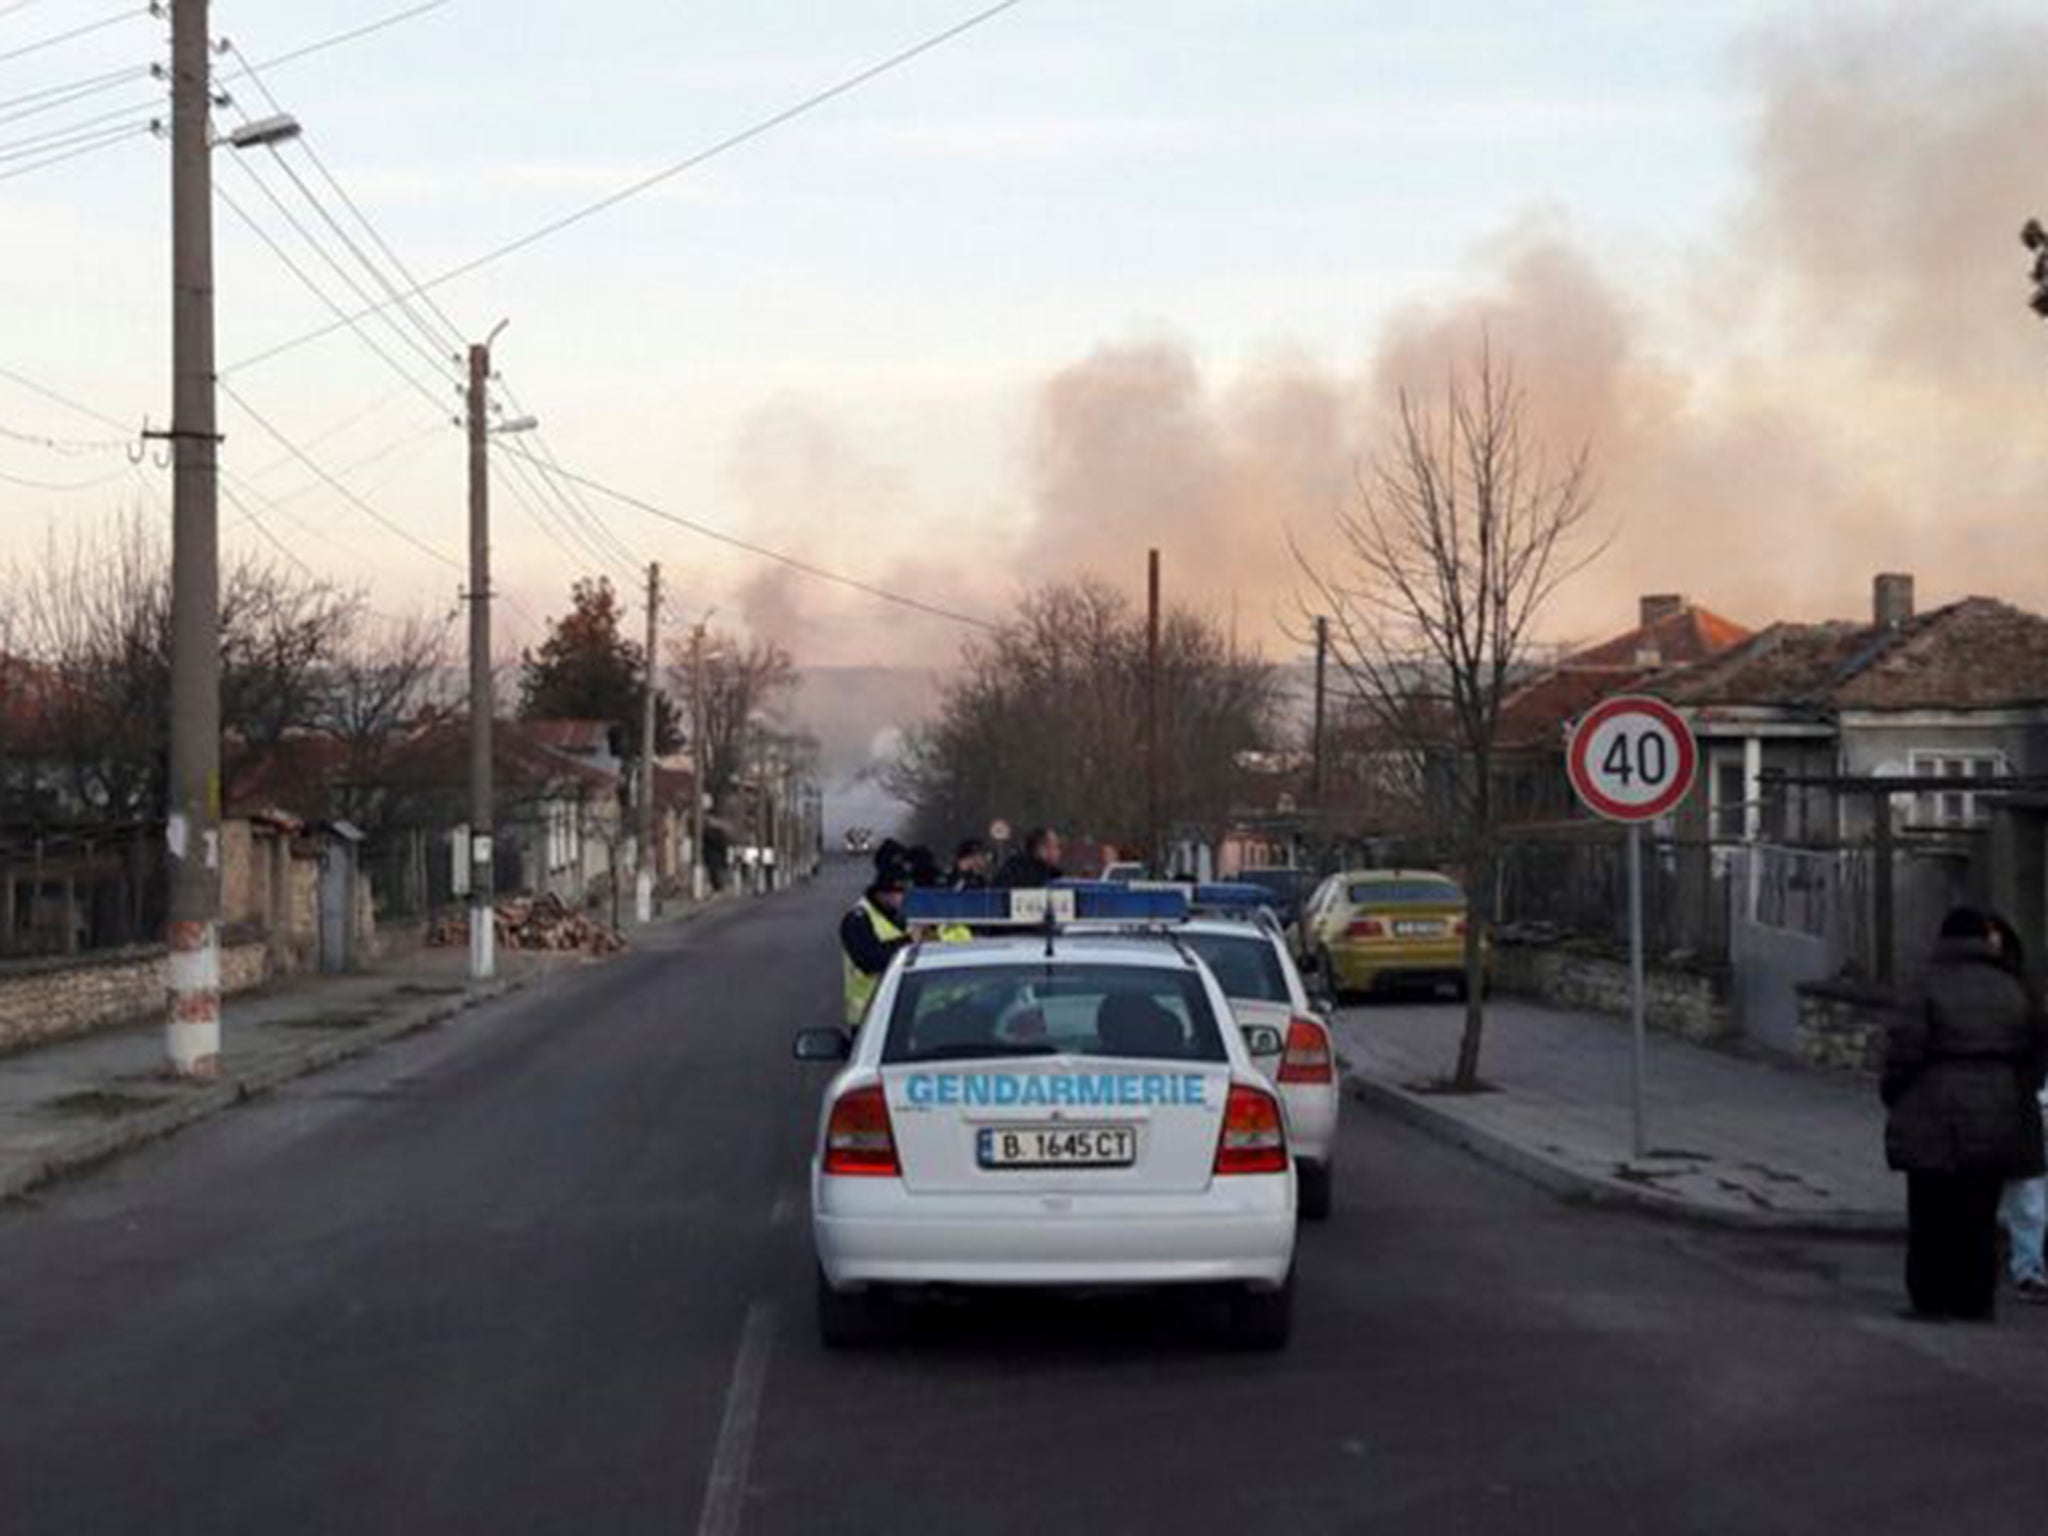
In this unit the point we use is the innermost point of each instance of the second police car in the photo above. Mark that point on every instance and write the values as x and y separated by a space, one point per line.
1027 1109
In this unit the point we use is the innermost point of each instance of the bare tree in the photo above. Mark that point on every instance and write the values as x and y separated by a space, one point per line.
1045 723
732 688
1462 531
385 682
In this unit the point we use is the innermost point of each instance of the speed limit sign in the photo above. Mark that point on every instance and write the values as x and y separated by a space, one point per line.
1632 758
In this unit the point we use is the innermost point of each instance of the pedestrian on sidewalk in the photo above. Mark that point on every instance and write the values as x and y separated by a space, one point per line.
2023 1207
1962 1071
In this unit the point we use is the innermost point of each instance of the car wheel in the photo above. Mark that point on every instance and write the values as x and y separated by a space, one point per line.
849 1319
1312 1190
1263 1320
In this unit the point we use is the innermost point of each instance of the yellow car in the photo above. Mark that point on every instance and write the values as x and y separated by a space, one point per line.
1371 928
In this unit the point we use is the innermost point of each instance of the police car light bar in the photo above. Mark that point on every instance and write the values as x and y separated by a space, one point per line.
1063 903
1207 896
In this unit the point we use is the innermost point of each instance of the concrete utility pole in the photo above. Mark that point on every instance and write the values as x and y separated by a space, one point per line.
1155 852
483 961
192 832
644 886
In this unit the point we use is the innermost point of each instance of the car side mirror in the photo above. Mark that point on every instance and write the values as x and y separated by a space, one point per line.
822 1045
1264 1040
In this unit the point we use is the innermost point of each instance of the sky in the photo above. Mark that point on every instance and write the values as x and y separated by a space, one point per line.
1087 278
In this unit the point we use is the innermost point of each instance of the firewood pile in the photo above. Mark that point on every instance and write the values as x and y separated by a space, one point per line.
542 923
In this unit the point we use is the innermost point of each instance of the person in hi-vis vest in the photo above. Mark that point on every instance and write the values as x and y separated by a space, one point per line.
870 934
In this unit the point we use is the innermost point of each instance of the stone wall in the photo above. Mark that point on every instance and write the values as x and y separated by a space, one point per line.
1842 1027
44 1000
1694 1003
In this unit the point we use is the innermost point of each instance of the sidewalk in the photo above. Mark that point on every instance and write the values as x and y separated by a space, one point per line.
1732 1140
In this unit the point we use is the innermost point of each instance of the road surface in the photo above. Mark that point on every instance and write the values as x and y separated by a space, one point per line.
547 1270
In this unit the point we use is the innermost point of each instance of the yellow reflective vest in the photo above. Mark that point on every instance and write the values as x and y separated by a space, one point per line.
860 987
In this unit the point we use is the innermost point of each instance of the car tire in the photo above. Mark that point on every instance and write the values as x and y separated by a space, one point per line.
1312 1182
1263 1320
849 1319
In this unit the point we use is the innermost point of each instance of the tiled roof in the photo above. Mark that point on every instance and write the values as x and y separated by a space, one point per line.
1534 715
1975 654
1678 639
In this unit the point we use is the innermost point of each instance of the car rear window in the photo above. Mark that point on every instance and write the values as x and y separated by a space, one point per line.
1405 893
1147 1013
1245 967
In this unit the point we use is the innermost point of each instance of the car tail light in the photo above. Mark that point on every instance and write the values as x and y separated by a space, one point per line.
1459 927
1307 1059
1367 928
858 1141
1254 1141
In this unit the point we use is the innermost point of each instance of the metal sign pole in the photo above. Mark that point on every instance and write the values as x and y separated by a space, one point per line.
1635 968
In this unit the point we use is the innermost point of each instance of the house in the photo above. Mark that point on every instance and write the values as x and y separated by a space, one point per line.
1529 773
1953 695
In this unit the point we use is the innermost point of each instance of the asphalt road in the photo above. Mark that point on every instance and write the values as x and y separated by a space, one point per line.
547 1270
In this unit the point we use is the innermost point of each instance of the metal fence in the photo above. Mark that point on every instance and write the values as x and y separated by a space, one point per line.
72 890
1578 883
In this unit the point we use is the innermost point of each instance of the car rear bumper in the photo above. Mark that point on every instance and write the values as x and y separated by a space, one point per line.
875 1232
1359 969
1311 1111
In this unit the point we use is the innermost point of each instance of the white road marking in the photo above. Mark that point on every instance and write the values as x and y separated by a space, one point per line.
725 1490
783 1209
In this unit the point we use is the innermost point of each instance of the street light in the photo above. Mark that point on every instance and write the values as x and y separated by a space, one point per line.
264 132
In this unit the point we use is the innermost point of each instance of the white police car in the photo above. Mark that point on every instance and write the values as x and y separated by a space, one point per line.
1033 1110
1232 930
1288 1039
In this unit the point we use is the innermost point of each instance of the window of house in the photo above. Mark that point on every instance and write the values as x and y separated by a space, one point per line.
1959 806
1729 784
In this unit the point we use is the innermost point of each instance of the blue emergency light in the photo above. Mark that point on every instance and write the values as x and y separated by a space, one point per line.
1230 896
1062 902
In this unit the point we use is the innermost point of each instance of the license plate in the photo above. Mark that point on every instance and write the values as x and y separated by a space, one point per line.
1056 1146
1418 929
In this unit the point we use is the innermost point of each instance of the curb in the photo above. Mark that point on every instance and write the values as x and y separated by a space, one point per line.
1582 1188
167 1119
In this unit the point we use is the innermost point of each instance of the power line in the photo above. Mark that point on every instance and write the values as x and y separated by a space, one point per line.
646 183
792 561
48 136
78 90
69 447
399 529
82 31
64 400
118 137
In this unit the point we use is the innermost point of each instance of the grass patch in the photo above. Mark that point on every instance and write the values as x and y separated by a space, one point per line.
99 1104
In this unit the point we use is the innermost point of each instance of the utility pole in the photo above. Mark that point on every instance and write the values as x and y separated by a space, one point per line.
699 886
192 831
1316 746
645 883
1155 851
483 961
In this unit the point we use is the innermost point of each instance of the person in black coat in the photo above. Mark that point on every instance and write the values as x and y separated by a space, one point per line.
1962 1068
1036 864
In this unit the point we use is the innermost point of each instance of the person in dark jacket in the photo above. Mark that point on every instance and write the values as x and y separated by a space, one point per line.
1036 864
970 866
1961 1071
2023 1208
870 934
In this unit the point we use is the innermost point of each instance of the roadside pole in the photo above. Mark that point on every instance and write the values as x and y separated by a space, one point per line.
192 830
1632 759
1154 853
1637 1011
644 884
699 886
483 961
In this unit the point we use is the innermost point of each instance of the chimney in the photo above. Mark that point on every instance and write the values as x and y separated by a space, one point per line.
1891 601
1659 606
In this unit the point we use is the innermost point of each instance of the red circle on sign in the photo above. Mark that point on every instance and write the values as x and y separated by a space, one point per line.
1582 775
